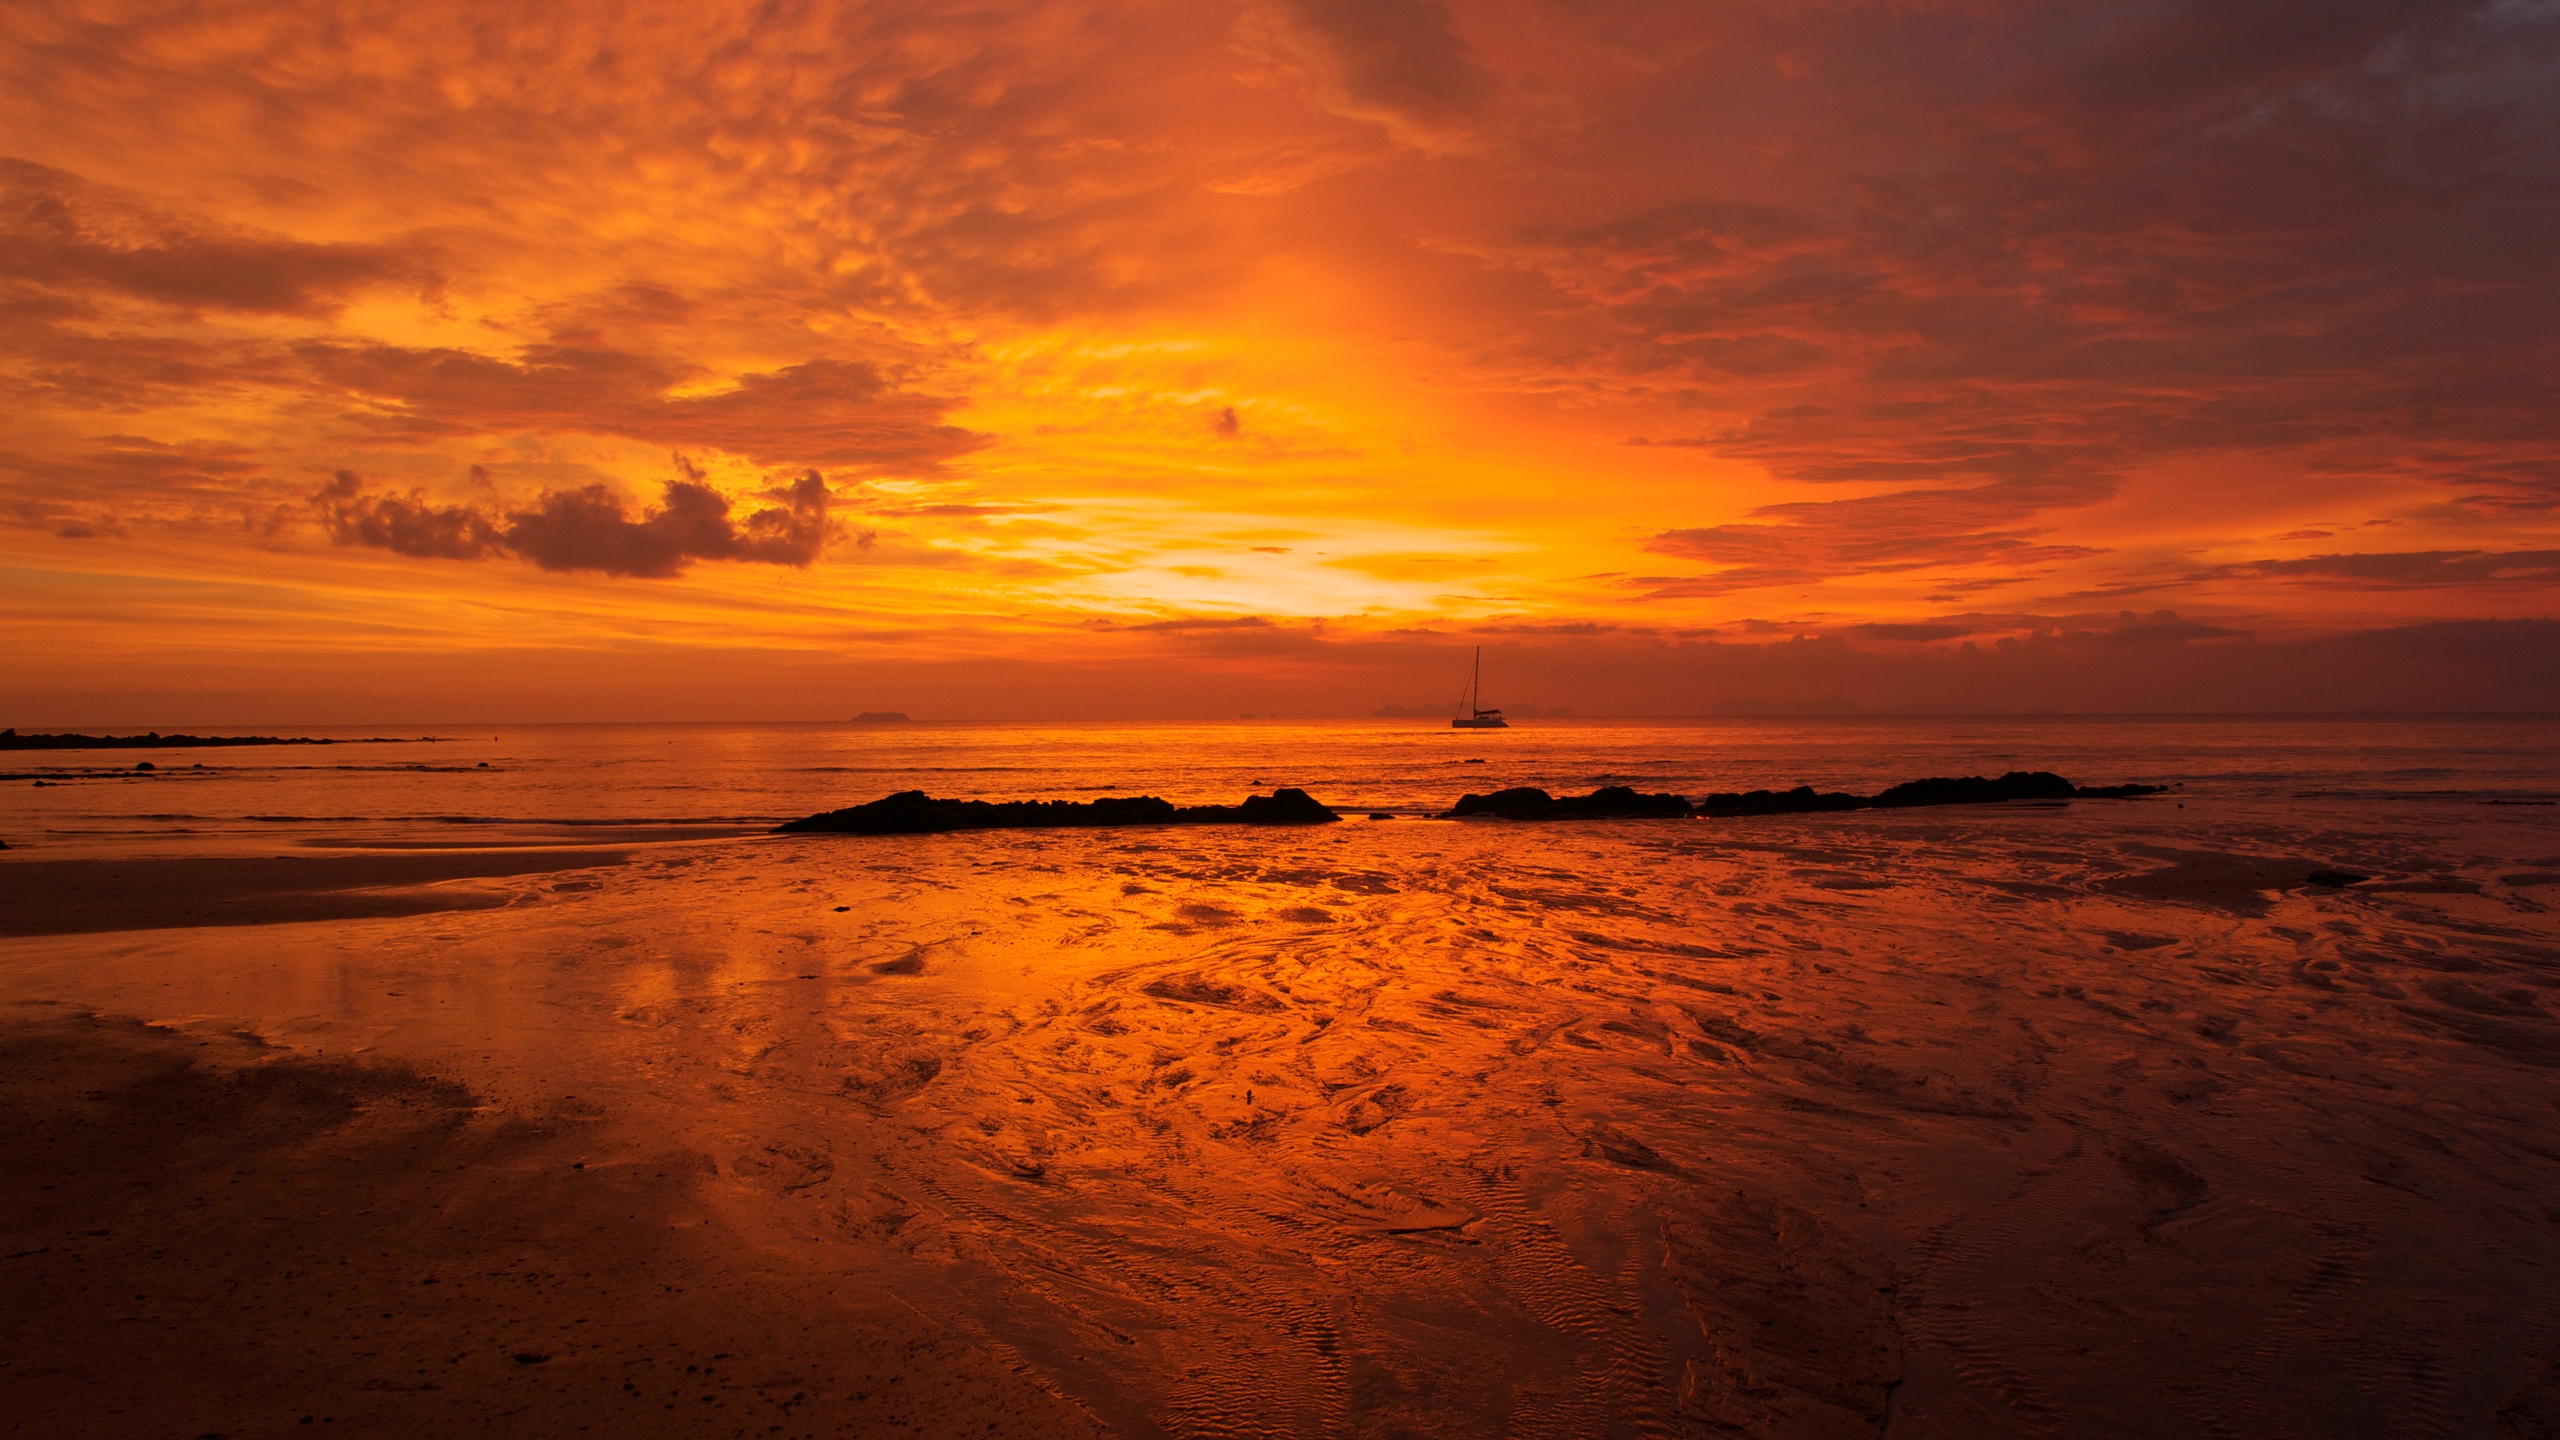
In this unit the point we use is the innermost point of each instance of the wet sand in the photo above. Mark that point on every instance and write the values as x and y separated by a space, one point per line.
206 1238
85 897
2085 1121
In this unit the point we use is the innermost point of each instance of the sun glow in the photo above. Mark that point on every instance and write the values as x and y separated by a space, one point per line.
1087 320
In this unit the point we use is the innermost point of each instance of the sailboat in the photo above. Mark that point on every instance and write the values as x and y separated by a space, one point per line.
1472 716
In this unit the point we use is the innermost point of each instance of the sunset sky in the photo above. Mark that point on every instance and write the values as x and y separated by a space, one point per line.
440 361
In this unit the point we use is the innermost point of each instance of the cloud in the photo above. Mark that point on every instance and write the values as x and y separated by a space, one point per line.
69 237
1400 64
1916 301
818 412
2402 570
407 525
1907 530
1887 630
2162 627
1187 623
586 528
1554 627
2286 236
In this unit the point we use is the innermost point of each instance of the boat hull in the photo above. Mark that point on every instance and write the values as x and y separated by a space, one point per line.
1466 724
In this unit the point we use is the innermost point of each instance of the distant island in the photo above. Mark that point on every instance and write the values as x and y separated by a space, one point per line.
882 717
12 740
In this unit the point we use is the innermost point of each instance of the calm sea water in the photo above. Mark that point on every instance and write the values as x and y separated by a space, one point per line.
550 784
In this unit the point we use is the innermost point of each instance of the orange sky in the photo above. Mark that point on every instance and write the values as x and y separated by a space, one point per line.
441 361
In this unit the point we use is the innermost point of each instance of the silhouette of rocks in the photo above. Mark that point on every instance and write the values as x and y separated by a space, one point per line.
2335 879
2116 792
1937 790
1974 790
1610 802
913 812
1801 800
146 765
1621 802
12 740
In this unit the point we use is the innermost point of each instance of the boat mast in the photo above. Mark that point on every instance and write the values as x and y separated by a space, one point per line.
1475 685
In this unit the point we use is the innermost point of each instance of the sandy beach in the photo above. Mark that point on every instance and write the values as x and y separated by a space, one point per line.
2085 1120
208 1239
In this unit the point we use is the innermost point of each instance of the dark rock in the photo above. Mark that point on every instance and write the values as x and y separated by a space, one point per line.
1525 802
1939 790
1610 802
1974 790
1801 800
1380 815
1615 801
146 765
2335 879
1280 807
12 740
913 812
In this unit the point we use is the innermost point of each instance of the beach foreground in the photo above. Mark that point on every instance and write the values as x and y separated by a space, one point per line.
2086 1120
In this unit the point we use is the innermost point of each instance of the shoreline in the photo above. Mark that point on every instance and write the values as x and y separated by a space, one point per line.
1150 1118
94 896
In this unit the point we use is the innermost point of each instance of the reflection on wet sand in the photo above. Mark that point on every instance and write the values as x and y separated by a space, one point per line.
2085 1121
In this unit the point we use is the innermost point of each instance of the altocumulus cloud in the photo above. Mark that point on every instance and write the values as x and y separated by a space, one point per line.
586 528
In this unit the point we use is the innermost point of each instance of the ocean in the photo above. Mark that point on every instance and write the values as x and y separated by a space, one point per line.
2098 1118
513 785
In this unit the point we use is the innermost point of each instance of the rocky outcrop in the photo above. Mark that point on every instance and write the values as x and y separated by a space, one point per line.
1621 802
913 812
12 740
1610 802
1802 800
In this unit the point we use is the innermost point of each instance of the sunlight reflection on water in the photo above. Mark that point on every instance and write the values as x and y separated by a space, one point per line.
2092 1120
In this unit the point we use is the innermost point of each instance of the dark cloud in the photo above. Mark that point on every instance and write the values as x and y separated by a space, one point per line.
1882 630
404 525
820 412
1881 534
586 528
65 235
2403 570
1401 63
2160 628
2106 239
